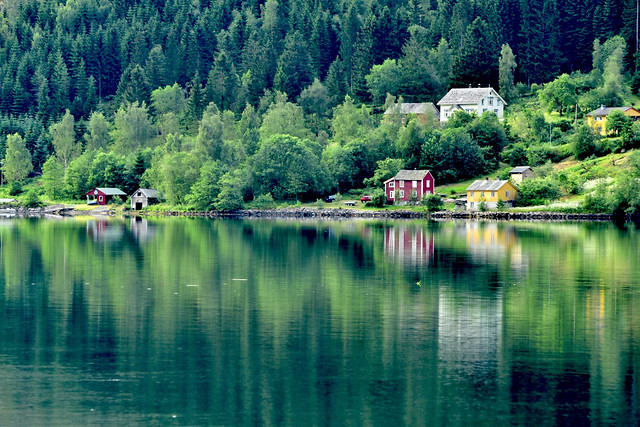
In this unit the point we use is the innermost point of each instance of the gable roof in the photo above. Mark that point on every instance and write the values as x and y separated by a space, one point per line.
520 169
487 185
468 96
413 108
111 191
148 193
411 175
605 111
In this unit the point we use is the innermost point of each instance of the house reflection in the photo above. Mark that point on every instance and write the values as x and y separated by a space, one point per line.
409 244
104 230
487 241
141 230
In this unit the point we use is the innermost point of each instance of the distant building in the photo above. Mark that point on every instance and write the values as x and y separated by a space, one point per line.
422 110
409 186
597 119
102 196
473 101
143 197
520 173
490 192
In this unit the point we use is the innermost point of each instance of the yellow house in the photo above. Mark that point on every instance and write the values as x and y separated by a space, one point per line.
597 119
490 192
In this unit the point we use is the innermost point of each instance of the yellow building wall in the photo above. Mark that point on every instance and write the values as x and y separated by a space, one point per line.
598 126
500 194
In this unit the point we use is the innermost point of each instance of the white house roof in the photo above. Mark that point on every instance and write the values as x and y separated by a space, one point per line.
411 175
413 108
486 185
148 193
520 169
468 96
111 191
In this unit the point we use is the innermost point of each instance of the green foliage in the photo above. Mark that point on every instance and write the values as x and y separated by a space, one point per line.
31 200
584 143
379 199
618 123
265 201
16 164
230 197
433 202
53 179
386 169
559 94
205 190
500 204
537 191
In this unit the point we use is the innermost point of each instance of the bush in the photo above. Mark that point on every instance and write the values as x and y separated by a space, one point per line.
537 191
584 143
542 153
433 203
265 201
597 201
31 200
379 200
15 188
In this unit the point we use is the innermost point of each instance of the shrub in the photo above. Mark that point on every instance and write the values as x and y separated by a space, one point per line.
31 200
15 188
433 203
379 200
482 206
500 204
584 143
537 191
265 201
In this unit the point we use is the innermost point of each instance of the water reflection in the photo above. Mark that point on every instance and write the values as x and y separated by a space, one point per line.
201 322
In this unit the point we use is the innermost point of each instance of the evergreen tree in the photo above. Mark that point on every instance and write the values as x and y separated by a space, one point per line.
506 71
477 62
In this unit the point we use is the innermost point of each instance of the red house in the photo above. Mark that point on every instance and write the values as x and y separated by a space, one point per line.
102 196
409 186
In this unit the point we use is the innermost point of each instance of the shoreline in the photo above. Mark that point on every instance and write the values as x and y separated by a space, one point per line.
61 211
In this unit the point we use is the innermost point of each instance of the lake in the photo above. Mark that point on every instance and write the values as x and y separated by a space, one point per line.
182 321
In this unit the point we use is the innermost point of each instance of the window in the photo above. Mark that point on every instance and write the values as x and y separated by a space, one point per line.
427 184
493 194
414 184
100 198
392 194
506 193
392 184
400 183
484 109
414 194
470 193
482 101
497 102
495 110
471 205
401 194
491 100
482 194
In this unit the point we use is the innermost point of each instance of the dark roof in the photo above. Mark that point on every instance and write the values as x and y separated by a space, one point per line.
520 169
148 193
605 111
487 185
411 175
413 108
468 96
111 191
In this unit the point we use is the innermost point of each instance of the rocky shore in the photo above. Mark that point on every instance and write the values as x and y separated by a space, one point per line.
315 213
391 214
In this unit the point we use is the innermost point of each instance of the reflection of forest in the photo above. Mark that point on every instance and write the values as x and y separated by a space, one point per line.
283 322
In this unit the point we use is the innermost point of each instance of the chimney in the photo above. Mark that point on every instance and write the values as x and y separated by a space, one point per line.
602 107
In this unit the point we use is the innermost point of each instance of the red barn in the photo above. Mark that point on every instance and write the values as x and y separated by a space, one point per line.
102 196
409 186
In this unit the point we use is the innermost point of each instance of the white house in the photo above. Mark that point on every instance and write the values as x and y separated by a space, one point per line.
472 100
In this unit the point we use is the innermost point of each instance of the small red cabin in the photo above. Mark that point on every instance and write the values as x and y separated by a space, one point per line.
102 196
409 186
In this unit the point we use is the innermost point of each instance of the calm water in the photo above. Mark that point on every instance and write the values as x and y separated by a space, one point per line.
214 322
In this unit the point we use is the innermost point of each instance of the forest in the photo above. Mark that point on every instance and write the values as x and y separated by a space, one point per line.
220 103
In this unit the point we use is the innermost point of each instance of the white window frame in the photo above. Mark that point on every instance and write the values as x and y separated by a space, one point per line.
414 184
414 194
392 194
471 193
427 184
392 184
401 183
401 194
506 193
493 194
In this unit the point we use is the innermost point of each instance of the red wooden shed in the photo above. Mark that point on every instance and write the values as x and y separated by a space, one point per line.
102 196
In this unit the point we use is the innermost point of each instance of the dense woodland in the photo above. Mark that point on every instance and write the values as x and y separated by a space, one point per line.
218 103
